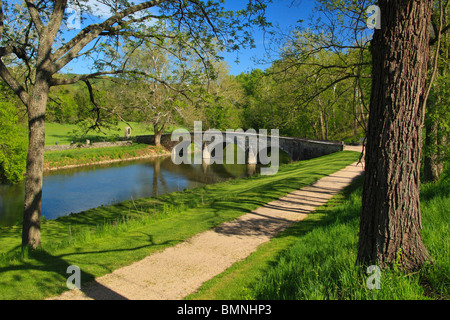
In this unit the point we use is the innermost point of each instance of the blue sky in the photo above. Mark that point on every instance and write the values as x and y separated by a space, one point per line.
283 13
280 13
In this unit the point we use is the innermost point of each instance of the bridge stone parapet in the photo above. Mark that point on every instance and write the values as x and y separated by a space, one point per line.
296 148
304 149
166 140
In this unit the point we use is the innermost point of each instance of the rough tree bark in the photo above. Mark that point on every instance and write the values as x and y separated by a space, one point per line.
390 220
31 234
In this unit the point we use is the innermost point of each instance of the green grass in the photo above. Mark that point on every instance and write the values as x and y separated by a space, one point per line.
62 133
315 258
106 238
61 158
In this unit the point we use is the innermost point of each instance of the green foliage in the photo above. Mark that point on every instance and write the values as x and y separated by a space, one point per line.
63 105
438 109
218 103
297 97
320 86
438 118
220 113
14 140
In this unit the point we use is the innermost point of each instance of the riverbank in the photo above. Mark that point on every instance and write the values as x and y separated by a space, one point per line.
65 159
104 239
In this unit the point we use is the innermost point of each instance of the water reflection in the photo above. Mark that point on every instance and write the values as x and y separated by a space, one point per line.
82 188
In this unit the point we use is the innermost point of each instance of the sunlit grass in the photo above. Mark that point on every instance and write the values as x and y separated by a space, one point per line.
59 158
63 133
315 259
106 238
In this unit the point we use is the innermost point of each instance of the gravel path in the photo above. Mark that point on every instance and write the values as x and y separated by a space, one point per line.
180 270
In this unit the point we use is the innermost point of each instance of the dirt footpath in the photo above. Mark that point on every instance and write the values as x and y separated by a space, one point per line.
180 270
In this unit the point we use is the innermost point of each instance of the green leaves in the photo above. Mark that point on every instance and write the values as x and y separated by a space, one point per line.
13 143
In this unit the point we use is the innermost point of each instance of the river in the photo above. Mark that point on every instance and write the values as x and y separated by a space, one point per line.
78 189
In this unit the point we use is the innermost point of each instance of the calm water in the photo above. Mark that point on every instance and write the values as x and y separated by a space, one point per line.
79 189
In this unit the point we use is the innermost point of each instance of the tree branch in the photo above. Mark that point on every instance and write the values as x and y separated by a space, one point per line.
182 92
83 77
68 51
56 19
436 54
14 84
1 19
34 13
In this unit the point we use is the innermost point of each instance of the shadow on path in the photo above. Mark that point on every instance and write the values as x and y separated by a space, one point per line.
55 283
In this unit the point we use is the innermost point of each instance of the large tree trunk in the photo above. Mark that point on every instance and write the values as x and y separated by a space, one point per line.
31 234
390 219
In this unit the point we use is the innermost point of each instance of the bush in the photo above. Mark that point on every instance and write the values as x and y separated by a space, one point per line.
13 145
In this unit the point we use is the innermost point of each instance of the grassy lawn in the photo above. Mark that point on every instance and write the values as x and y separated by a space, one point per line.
59 158
315 258
106 238
62 133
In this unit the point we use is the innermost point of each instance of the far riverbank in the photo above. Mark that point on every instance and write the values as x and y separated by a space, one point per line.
65 159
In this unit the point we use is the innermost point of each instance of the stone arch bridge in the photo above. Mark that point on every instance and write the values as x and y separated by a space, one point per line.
296 148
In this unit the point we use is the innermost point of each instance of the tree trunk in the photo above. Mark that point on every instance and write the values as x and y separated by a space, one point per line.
322 126
390 218
158 134
432 167
435 136
158 139
31 234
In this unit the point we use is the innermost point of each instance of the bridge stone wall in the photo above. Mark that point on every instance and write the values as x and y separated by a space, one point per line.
165 140
304 149
297 148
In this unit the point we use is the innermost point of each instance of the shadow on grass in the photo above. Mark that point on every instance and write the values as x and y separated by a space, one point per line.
247 273
326 215
271 223
55 267
440 188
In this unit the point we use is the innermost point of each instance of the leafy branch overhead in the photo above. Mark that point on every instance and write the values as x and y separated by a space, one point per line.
205 27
